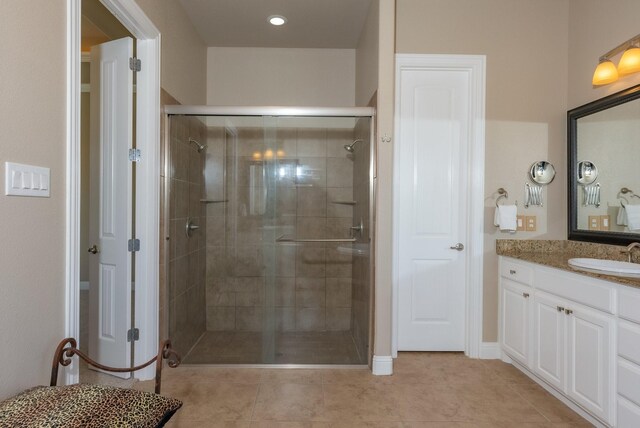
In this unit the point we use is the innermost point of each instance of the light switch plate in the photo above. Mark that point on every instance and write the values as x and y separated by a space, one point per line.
26 180
604 222
520 223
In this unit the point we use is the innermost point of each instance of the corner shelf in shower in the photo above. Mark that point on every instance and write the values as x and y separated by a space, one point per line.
344 202
213 201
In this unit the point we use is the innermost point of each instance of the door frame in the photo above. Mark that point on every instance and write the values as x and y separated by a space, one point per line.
475 65
147 174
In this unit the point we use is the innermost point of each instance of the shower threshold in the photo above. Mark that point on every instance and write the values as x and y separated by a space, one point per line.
286 350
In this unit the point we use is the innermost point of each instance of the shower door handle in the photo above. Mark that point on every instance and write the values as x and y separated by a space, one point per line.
458 247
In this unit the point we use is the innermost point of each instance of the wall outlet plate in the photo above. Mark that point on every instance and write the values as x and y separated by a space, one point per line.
530 223
594 222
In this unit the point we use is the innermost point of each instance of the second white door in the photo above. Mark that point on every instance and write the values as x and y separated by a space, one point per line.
433 119
111 203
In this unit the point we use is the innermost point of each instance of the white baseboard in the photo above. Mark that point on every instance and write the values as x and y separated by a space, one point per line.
382 365
490 351
84 285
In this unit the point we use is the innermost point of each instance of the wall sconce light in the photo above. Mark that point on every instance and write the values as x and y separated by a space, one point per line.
606 72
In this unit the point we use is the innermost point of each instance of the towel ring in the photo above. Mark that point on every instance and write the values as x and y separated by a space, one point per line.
626 190
501 194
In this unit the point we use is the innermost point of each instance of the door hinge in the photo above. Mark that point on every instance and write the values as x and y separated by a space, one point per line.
133 335
134 155
134 245
135 64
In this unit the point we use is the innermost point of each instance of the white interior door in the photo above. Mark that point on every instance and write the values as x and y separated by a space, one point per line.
111 202
433 190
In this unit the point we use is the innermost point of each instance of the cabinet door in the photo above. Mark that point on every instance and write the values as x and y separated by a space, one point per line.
549 339
515 321
591 358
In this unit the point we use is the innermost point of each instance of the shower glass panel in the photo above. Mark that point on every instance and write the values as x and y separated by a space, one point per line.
284 228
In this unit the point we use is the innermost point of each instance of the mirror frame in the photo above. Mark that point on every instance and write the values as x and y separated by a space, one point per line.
575 234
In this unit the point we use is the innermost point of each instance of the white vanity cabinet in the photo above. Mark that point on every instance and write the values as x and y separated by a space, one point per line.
628 361
563 332
516 320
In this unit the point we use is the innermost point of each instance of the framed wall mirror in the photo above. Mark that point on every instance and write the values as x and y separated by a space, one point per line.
604 169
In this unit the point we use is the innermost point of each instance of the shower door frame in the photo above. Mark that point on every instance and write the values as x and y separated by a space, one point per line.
291 111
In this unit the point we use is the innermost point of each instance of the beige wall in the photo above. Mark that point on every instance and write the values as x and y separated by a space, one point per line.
32 266
595 27
384 183
526 44
275 76
184 54
367 57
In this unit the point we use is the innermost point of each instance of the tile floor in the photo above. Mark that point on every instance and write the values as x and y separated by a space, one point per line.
431 390
330 347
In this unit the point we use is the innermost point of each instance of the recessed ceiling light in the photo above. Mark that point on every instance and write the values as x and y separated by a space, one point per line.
277 20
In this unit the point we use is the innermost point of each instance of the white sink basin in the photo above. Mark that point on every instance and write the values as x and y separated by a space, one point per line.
608 267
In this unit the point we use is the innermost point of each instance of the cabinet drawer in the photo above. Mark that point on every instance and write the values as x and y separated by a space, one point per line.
629 341
516 272
591 292
629 305
628 414
629 381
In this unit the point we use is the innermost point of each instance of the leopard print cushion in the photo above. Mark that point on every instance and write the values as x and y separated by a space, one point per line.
86 406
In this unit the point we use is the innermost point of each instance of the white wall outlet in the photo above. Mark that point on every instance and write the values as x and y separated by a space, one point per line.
26 180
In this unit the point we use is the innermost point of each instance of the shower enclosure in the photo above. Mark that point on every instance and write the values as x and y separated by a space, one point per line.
269 233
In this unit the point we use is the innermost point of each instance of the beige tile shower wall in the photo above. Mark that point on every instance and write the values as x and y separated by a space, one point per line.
526 44
187 255
311 287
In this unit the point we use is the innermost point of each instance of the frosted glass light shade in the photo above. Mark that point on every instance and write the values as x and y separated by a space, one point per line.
630 61
606 72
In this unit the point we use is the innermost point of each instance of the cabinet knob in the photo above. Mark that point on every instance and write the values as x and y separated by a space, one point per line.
568 311
560 308
512 271
525 295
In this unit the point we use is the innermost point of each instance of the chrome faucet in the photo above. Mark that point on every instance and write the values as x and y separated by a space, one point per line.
630 248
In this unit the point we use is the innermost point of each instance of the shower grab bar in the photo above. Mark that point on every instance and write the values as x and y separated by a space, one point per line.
283 239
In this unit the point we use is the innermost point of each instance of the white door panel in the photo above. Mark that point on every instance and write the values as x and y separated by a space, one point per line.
434 112
111 204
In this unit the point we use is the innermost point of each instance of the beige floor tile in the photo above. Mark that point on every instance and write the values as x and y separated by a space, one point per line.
213 401
507 372
360 403
288 402
351 376
422 402
178 422
195 373
291 376
553 409
278 424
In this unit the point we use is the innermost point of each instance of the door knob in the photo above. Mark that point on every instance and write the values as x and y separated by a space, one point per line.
93 250
458 247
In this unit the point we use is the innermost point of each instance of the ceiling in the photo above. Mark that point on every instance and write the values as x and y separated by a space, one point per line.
311 23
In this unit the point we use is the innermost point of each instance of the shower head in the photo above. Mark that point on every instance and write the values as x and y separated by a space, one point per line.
198 145
349 147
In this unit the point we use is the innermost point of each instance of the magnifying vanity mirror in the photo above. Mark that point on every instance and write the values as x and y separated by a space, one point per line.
604 159
587 173
542 172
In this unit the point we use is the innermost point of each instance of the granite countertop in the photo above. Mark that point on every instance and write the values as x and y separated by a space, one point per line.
556 254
